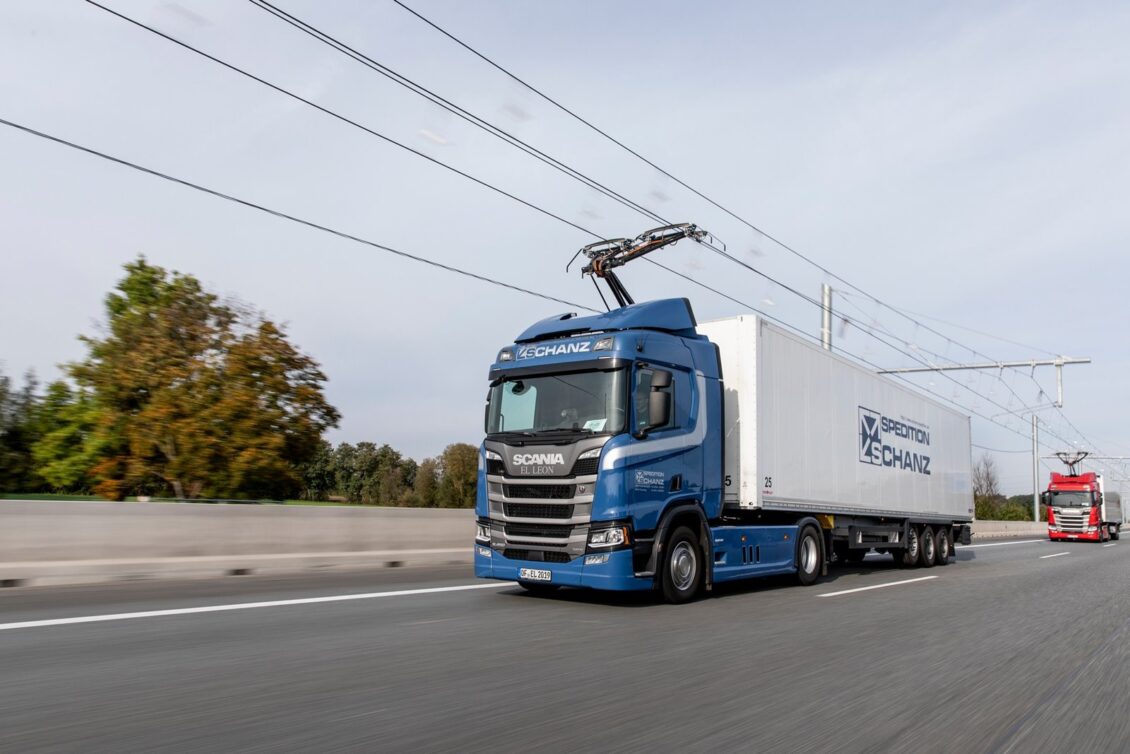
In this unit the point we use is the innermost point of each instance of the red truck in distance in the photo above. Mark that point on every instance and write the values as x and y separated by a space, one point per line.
1080 509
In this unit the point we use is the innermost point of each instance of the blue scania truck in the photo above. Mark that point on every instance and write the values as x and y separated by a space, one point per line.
641 450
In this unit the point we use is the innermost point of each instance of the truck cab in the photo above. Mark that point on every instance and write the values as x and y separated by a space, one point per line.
1079 508
595 436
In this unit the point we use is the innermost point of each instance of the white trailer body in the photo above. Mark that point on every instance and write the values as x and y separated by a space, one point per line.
1111 510
808 430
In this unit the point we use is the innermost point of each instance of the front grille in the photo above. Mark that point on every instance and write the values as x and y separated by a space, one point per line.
585 467
551 531
1075 523
537 556
540 491
495 467
535 510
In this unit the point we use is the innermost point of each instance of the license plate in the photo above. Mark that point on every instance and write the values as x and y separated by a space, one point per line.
535 574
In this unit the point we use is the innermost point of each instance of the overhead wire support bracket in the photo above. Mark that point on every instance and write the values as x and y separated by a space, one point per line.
605 256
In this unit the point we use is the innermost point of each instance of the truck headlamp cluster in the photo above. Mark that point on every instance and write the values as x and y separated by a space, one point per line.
482 532
506 354
491 455
594 453
613 537
604 344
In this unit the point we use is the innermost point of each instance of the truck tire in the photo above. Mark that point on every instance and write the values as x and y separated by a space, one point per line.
908 556
809 558
682 566
1116 532
943 546
929 550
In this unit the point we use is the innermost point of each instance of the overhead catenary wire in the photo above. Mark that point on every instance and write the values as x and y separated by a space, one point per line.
285 216
510 195
581 119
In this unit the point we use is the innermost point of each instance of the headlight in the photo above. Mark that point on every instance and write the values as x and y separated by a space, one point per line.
589 454
609 537
491 455
482 532
604 344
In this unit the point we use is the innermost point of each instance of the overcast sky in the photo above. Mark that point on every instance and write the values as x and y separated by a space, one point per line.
968 162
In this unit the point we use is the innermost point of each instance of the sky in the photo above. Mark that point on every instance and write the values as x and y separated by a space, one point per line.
965 164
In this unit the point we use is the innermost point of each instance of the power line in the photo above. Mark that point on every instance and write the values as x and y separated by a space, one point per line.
998 450
531 205
285 216
674 178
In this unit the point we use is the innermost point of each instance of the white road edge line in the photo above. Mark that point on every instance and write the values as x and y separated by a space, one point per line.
876 586
1053 555
1112 544
1001 544
244 606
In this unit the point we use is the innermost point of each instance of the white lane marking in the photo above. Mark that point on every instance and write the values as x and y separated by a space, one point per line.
1002 544
876 586
244 606
1112 544
1053 555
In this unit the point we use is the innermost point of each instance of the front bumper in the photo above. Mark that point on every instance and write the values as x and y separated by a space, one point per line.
1075 536
616 574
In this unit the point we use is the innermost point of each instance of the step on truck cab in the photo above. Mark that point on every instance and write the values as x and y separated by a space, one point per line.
639 450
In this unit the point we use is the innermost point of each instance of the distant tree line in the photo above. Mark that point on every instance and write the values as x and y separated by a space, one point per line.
188 396
990 504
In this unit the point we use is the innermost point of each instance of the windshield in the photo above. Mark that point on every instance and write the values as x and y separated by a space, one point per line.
1071 499
579 402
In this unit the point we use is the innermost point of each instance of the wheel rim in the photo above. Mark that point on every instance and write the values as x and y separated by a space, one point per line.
808 555
943 546
928 553
684 566
912 544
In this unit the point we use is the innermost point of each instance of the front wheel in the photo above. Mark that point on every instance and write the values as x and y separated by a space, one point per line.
682 567
809 558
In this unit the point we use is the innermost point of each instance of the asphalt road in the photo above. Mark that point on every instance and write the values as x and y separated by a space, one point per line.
1004 650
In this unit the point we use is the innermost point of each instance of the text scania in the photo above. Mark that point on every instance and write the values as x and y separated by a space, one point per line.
560 349
877 432
541 459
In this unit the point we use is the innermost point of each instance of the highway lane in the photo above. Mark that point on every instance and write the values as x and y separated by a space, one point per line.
1005 650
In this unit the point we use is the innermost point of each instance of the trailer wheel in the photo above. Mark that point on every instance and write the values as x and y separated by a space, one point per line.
1116 532
808 556
908 556
943 546
682 566
928 551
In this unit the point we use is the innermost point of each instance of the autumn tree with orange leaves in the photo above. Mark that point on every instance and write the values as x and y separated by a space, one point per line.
197 396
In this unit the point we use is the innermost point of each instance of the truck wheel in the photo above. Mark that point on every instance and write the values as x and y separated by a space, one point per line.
908 556
928 551
682 566
943 547
1116 532
808 556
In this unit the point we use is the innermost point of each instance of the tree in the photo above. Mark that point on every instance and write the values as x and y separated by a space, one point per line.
197 395
459 469
18 433
985 481
425 487
68 446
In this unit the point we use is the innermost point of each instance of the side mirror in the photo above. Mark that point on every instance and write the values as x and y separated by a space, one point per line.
1045 498
658 403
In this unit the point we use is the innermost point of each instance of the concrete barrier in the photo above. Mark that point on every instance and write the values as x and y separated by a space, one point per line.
56 542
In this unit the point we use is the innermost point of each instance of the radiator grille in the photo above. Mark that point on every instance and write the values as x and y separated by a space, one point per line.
540 491
585 467
537 556
534 510
548 531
